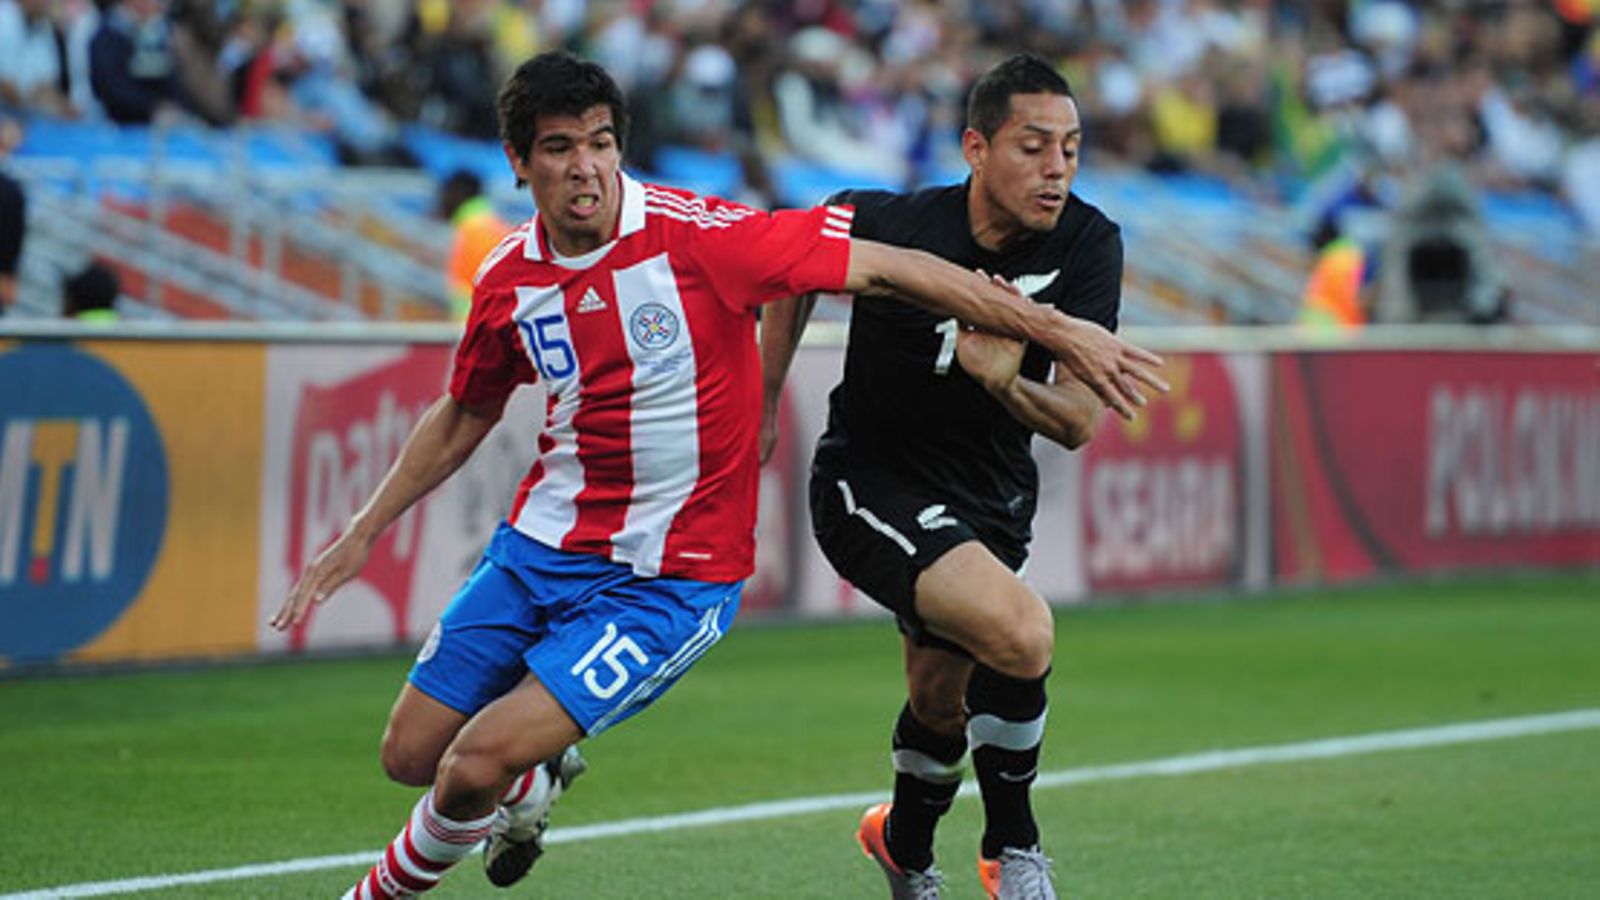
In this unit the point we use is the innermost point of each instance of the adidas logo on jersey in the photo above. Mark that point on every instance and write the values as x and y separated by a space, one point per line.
933 518
591 302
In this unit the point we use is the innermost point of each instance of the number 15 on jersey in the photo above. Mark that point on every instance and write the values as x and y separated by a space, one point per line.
550 345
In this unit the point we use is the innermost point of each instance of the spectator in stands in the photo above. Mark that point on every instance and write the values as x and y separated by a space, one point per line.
701 98
1581 169
198 34
813 104
91 295
477 230
132 64
1244 127
322 84
460 69
640 49
13 218
78 21
31 59
1338 293
1183 114
1113 99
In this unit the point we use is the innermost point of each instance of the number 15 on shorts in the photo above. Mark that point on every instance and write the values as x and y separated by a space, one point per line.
607 654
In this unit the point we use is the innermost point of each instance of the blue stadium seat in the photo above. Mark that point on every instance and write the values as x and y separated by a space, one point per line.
442 154
698 170
801 183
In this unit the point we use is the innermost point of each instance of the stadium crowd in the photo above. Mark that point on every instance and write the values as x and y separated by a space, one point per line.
1260 92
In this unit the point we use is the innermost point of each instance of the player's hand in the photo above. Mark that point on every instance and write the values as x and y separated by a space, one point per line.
992 360
333 567
1110 366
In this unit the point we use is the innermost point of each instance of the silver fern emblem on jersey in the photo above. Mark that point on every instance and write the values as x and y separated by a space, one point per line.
933 518
1033 284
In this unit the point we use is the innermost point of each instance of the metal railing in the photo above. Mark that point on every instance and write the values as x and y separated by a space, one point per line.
254 220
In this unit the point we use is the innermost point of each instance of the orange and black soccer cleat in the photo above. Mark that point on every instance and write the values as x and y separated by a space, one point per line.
903 885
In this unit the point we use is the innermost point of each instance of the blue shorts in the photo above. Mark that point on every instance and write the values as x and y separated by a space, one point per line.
603 641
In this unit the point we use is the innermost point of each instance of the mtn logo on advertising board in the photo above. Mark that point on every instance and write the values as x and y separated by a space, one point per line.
83 499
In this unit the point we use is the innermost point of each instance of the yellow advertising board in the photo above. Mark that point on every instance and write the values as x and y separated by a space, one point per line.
129 496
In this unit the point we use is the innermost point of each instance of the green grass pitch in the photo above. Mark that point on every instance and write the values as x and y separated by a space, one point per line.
169 772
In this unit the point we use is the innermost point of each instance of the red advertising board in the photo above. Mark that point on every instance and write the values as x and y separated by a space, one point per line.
1425 460
346 436
1162 496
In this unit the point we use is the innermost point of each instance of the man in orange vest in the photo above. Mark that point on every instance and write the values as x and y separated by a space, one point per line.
1333 292
478 229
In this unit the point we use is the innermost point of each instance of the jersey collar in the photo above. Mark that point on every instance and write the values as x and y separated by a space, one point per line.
629 221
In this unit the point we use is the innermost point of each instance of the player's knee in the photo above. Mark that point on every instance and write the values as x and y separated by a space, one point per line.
1022 648
465 772
403 764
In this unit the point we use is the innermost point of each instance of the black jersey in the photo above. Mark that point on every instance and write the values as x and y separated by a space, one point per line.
905 404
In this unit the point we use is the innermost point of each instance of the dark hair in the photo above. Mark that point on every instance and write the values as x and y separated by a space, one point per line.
989 104
461 186
95 286
555 83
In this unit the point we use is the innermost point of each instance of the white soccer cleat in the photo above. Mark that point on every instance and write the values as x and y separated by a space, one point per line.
517 839
1017 875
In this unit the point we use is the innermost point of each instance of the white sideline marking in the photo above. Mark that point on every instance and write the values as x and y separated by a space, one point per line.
1464 733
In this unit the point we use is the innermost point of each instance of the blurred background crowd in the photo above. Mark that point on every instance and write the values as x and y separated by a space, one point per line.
1332 107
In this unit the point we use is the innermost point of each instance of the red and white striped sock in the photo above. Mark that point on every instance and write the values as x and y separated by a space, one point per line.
420 854
525 802
529 786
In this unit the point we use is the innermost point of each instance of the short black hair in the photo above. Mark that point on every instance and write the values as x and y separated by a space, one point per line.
989 104
95 286
462 185
555 83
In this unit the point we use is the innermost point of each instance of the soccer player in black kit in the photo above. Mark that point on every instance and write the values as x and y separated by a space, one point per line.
923 487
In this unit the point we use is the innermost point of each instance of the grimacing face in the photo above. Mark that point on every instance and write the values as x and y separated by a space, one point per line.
1023 174
572 169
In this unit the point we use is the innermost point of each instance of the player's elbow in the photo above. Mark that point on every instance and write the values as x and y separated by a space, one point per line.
876 269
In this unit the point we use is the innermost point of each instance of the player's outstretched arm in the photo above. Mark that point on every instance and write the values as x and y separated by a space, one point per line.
1064 410
439 444
782 323
1113 368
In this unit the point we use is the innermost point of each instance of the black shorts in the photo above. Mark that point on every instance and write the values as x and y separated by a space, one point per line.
880 531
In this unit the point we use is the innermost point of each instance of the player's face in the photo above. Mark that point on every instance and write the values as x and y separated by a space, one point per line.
572 168
1022 175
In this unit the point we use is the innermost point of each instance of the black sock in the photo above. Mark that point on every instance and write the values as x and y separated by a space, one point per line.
927 767
1005 724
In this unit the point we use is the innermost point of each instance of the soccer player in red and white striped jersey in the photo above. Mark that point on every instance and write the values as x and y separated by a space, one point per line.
645 347
622 560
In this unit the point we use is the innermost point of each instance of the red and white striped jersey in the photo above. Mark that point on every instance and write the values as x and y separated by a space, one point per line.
648 352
